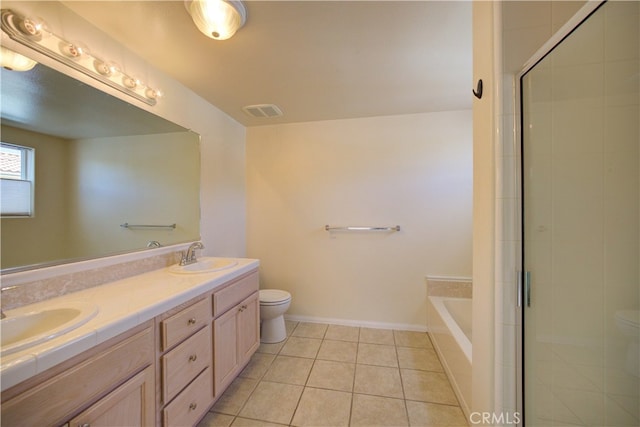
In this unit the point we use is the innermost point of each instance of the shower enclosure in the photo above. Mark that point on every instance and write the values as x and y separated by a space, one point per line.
581 225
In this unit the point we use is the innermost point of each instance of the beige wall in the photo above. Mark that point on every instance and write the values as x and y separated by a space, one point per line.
145 179
413 171
43 236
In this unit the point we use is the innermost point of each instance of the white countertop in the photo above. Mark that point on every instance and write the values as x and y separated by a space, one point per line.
122 305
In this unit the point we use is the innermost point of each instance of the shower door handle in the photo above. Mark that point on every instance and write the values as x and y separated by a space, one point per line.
519 288
527 287
523 288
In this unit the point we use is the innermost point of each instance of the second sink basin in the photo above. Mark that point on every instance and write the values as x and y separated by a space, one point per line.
204 265
28 329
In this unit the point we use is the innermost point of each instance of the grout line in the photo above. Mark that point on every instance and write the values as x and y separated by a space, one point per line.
356 364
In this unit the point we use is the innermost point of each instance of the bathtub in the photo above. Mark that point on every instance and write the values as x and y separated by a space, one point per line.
449 326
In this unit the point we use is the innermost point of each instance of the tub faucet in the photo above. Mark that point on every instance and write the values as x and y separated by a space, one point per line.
189 256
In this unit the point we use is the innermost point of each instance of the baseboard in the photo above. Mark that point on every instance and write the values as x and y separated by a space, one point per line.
357 323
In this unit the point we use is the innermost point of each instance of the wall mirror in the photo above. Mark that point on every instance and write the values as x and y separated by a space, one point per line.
109 177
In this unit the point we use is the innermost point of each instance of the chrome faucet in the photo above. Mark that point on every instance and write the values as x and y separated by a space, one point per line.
189 256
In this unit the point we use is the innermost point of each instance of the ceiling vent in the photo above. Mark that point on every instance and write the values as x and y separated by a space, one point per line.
262 110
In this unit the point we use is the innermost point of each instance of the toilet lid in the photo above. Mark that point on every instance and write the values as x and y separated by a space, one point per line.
629 317
273 296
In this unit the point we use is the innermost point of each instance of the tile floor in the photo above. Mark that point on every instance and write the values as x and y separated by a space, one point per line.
330 375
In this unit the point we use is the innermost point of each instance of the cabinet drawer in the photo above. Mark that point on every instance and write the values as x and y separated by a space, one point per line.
233 294
181 325
190 405
185 362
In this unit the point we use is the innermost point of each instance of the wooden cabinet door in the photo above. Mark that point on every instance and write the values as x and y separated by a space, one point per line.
248 327
131 404
225 349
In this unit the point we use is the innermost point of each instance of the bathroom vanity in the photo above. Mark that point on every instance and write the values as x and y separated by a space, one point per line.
161 351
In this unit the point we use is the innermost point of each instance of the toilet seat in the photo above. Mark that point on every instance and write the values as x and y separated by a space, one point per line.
274 297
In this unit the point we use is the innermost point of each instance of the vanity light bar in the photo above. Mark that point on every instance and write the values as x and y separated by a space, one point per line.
34 33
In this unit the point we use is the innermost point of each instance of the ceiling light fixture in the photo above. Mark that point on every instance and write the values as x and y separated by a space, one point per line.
217 19
15 62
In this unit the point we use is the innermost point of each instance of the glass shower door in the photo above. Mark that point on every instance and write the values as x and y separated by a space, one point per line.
581 225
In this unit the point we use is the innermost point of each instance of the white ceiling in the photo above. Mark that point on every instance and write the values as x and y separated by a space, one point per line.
316 60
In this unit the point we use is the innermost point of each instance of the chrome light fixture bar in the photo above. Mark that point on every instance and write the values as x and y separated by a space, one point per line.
217 19
33 32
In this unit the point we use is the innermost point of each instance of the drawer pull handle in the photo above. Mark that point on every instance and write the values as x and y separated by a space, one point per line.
192 321
193 358
193 406
85 425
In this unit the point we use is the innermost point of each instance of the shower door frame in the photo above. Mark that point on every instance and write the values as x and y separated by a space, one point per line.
565 31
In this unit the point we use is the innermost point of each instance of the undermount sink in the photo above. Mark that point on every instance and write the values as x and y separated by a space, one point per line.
25 330
204 265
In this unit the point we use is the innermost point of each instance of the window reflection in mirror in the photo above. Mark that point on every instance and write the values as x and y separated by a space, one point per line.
99 163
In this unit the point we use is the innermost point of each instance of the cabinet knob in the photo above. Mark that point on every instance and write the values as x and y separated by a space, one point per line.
193 406
193 358
192 321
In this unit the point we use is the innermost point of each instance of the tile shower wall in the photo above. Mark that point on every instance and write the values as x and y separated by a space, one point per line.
526 26
581 134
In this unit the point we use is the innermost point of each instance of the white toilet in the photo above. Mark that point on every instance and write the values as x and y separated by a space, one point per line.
628 321
273 304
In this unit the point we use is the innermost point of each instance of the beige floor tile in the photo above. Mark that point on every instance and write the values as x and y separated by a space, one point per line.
378 381
424 359
301 347
246 422
377 354
235 396
376 336
290 325
320 407
271 348
310 330
372 411
342 333
412 339
427 386
272 402
257 366
289 370
339 351
432 414
332 375
215 419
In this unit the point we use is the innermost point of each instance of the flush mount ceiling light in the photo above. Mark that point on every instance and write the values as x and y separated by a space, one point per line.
217 19
16 62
